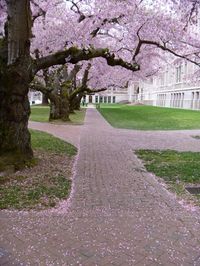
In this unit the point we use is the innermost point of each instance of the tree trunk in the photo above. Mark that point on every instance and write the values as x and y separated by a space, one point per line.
55 105
14 115
76 102
71 106
54 110
65 111
45 100
19 30
15 77
77 105
64 98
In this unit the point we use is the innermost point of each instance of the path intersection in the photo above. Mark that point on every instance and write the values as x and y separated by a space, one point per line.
117 214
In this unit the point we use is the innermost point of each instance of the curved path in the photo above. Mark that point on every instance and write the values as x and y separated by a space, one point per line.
117 214
71 133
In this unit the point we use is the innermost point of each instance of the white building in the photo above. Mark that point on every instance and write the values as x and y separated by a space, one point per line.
35 97
112 95
171 88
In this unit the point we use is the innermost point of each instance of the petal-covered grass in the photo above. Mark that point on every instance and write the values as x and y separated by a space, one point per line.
43 183
38 194
143 117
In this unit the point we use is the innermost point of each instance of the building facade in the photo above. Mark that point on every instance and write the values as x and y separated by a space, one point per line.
111 95
171 88
35 97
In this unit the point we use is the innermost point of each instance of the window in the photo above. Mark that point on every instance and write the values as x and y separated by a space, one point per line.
114 99
182 99
101 99
178 74
105 99
197 100
162 80
109 99
186 68
96 99
192 101
166 77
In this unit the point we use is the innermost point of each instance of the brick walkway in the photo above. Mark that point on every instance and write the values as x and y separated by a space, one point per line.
117 214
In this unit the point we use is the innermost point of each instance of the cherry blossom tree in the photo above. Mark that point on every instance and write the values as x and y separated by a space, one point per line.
18 69
128 35
65 88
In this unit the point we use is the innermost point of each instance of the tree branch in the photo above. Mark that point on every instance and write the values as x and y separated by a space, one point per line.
162 47
74 72
75 8
74 55
83 86
193 10
40 87
88 90
104 22
40 12
85 76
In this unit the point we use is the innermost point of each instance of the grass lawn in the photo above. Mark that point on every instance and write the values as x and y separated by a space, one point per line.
150 117
40 113
178 169
44 183
46 142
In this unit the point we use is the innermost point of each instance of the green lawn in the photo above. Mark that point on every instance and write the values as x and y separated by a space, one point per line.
178 169
149 117
46 142
40 113
36 188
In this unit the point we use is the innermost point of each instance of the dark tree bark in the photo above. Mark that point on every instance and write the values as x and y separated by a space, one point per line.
15 77
55 104
45 100
77 101
76 55
74 104
64 95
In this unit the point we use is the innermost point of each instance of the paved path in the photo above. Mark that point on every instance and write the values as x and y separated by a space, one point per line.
71 133
117 214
